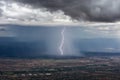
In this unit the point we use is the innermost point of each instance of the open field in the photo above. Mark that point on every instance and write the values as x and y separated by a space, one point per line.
89 68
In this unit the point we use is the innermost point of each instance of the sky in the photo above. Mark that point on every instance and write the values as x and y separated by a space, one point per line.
93 15
101 14
83 19
59 11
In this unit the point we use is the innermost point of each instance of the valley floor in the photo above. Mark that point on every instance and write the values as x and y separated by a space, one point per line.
87 68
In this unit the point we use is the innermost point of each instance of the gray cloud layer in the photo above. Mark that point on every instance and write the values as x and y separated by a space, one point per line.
90 10
0 12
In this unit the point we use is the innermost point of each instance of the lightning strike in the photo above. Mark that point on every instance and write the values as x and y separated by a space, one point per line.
62 41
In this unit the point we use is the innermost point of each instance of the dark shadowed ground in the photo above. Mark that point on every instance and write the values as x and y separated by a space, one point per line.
92 68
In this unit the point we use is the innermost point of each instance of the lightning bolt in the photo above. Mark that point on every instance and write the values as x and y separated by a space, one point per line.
62 41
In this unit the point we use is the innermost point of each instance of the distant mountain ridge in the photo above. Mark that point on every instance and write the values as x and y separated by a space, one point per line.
91 54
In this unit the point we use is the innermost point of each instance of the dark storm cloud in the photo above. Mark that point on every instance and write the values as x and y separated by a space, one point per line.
90 10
